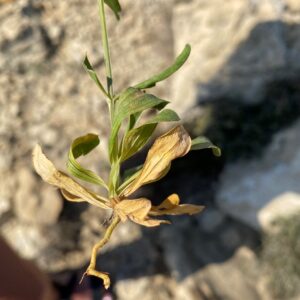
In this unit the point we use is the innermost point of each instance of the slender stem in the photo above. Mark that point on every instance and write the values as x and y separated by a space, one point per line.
105 239
110 91
91 270
106 50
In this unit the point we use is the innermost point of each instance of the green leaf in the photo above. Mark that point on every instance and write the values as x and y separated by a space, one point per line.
82 146
130 175
133 120
202 142
90 70
136 138
130 102
180 60
166 115
115 7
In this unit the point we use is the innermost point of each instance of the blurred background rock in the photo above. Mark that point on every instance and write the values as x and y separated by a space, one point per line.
240 87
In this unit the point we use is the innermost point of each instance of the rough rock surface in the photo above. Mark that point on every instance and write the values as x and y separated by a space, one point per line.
238 46
47 98
260 190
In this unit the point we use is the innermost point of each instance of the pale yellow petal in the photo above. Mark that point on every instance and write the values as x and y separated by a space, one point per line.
138 208
73 190
137 211
150 222
175 143
170 202
71 197
170 206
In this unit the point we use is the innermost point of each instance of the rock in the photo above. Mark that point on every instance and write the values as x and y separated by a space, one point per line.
285 205
156 287
29 207
6 186
293 6
211 219
237 48
248 188
211 282
47 98
230 238
4 205
280 257
27 240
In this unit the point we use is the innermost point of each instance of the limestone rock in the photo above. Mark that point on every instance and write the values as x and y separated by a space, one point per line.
156 287
47 98
29 207
237 47
211 219
285 205
248 188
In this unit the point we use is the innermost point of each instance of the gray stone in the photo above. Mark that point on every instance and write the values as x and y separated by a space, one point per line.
211 282
247 188
230 238
155 287
47 98
211 219
237 47
214 282
285 205
29 207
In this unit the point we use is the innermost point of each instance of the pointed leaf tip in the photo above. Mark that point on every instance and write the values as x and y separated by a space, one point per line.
179 62
115 7
202 142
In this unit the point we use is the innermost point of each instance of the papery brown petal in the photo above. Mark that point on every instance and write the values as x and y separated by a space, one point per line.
170 202
170 206
137 211
182 209
71 189
150 222
175 143
138 208
71 197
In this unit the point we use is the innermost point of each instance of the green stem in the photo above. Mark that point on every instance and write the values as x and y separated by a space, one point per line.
106 51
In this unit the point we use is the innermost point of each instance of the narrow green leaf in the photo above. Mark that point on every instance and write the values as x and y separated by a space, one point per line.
202 142
90 70
133 120
82 146
180 60
115 7
130 102
166 115
137 138
129 176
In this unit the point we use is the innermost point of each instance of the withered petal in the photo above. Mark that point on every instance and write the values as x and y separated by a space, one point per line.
170 206
137 211
173 144
70 188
